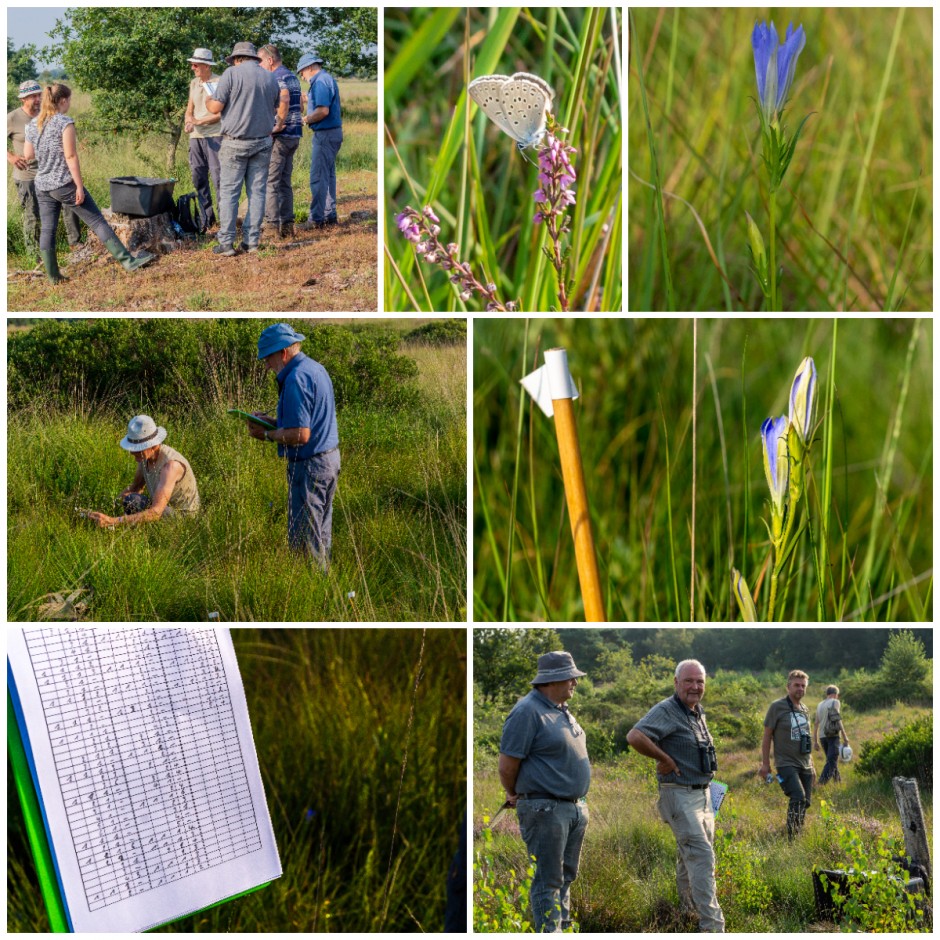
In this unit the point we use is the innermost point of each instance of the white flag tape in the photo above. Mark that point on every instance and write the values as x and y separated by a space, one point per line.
550 382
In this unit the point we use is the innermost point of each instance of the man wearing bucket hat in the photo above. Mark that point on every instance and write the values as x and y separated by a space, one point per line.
205 133
324 117
24 171
306 435
545 771
247 97
164 472
674 734
826 732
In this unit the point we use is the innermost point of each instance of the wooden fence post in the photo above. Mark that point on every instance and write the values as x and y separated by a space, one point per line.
912 821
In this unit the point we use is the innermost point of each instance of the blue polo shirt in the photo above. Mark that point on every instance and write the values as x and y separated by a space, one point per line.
324 93
306 401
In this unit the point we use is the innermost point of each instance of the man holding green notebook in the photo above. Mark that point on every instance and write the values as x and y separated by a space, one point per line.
306 435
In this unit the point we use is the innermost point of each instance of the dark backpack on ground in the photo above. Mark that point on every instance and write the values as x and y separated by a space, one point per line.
189 215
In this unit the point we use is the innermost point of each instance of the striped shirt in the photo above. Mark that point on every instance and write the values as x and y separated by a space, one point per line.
679 732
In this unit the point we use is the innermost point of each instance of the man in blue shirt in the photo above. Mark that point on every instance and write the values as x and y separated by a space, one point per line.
545 771
306 435
279 203
325 118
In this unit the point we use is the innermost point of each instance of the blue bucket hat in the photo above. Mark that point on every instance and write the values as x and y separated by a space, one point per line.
308 59
277 337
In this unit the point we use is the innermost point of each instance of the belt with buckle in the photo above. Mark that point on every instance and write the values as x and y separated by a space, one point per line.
548 796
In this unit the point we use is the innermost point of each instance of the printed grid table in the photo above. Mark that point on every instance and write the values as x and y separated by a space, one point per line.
147 754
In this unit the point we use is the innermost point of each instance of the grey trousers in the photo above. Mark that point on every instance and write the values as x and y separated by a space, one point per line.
797 784
689 814
29 203
242 161
279 203
326 146
311 486
553 831
204 164
52 203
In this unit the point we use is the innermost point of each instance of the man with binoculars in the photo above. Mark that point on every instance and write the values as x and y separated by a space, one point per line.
787 725
674 734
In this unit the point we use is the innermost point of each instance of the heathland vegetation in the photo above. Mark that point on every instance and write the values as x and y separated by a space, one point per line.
361 742
399 544
627 882
669 420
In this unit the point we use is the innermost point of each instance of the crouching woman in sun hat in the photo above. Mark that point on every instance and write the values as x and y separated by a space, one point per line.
164 472
51 140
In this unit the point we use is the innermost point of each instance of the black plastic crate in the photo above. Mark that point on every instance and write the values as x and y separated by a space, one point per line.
141 195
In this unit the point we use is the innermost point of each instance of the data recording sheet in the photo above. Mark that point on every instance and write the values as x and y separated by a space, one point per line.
142 757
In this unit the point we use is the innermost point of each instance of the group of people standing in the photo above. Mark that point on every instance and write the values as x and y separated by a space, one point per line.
244 128
545 771
49 181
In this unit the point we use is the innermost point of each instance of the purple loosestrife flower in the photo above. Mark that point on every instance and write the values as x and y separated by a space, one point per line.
422 229
775 65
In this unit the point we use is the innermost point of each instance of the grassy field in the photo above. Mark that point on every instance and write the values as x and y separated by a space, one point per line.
627 880
399 529
333 269
441 152
352 728
855 210
635 419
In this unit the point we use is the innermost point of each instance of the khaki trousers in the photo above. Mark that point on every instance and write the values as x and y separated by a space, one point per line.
689 814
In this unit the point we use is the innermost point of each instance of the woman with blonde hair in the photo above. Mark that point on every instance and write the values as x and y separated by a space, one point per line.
51 139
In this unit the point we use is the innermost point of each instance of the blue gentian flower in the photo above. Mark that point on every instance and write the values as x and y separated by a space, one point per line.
775 65
773 433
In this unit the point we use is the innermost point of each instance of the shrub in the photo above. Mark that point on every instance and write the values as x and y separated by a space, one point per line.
439 333
172 362
499 908
877 900
908 752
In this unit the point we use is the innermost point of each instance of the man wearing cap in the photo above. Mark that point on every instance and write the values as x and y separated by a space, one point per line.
247 98
205 133
787 727
674 734
306 435
545 771
279 202
826 733
164 472
24 171
324 117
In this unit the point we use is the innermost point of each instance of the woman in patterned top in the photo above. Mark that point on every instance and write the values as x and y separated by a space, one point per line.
51 139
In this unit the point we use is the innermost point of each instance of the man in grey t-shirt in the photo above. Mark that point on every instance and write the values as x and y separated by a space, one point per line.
247 98
544 768
787 726
674 734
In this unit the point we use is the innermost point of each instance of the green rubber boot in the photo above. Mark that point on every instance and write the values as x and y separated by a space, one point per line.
51 263
127 261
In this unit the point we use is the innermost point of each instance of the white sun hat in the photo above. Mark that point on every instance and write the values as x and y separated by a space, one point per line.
142 433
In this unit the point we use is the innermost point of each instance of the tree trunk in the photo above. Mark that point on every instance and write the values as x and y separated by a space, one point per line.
912 821
174 131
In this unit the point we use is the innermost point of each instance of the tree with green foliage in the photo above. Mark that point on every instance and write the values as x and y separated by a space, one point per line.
133 59
346 37
20 63
504 659
904 664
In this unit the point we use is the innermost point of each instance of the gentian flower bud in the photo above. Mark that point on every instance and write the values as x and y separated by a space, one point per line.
803 400
743 596
773 433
